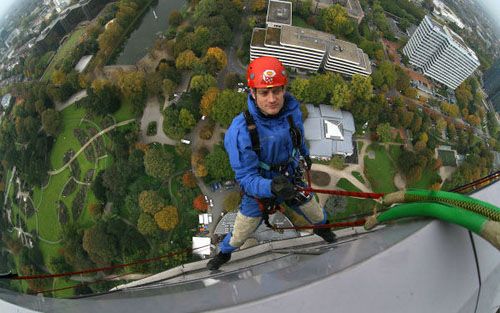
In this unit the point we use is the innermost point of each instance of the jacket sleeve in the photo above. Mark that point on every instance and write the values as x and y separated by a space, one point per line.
304 150
245 162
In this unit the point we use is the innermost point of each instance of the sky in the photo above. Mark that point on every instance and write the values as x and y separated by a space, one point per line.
4 5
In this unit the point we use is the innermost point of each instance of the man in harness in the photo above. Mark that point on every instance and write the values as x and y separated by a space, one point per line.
267 153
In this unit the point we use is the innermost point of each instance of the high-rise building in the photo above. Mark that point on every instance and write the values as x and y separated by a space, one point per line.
440 53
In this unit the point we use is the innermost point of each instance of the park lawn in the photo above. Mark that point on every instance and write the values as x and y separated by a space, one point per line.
67 47
380 171
448 157
125 112
347 185
429 177
355 206
394 153
358 176
48 221
63 283
49 250
66 140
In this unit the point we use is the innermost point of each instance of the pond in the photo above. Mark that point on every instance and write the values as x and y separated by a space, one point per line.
154 20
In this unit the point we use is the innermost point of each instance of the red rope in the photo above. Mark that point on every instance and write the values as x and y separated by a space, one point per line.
100 269
357 194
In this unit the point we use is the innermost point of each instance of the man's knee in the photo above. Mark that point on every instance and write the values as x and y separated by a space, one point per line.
313 211
244 226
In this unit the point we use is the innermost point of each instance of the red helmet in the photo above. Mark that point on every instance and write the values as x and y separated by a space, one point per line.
266 72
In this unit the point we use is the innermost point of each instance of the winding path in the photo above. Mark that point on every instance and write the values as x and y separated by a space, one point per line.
55 172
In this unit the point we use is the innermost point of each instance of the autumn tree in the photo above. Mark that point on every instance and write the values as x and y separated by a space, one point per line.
384 132
146 224
218 165
158 162
150 201
200 204
258 5
341 95
189 180
201 83
361 87
186 60
227 105
167 218
336 20
215 59
385 75
198 164
168 87
208 100
102 98
51 122
175 18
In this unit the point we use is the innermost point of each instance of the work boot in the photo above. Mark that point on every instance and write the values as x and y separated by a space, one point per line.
326 234
218 260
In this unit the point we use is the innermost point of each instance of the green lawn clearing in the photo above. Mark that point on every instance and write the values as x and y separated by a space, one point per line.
380 171
358 176
355 206
125 112
347 185
63 52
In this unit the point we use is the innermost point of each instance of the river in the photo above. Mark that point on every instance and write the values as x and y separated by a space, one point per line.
143 37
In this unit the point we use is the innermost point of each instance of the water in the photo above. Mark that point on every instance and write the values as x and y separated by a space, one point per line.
143 37
492 84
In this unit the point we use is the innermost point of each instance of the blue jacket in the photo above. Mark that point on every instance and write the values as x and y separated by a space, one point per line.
276 148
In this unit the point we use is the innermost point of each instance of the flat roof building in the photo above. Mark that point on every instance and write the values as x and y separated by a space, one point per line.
309 49
329 132
440 53
279 13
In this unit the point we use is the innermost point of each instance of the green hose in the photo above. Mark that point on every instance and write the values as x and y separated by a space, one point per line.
413 195
477 223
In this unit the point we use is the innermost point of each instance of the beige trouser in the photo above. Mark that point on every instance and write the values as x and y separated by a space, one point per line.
244 226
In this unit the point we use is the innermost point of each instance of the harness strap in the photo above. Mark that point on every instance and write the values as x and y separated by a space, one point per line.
295 133
252 129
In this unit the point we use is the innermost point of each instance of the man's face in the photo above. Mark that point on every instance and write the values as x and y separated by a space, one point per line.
269 100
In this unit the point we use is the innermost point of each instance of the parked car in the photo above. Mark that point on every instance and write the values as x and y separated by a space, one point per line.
215 186
229 184
211 203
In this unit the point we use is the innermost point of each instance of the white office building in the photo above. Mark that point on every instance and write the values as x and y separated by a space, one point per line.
440 53
308 49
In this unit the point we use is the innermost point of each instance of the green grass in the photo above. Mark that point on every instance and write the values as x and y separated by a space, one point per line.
125 112
360 145
448 157
394 152
358 176
62 283
67 47
381 170
347 185
429 177
66 140
300 22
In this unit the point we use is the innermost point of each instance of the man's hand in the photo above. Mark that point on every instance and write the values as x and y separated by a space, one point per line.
283 188
309 162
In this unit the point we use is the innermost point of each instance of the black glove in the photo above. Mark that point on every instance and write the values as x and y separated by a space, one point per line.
283 188
309 162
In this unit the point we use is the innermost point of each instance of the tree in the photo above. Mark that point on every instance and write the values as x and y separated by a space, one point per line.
384 75
188 180
208 100
231 202
201 83
186 119
175 18
167 218
258 5
441 124
102 98
361 87
215 59
299 87
51 122
341 95
336 20
58 77
150 201
158 162
384 132
101 247
198 164
201 40
146 224
186 60
168 87
227 105
218 164
199 203
153 84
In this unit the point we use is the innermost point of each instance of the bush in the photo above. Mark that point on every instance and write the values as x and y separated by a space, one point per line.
338 162
152 128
